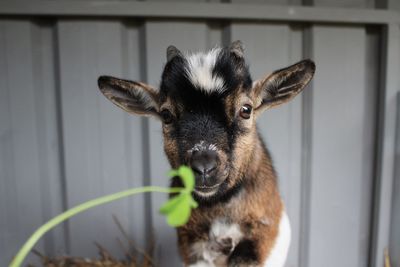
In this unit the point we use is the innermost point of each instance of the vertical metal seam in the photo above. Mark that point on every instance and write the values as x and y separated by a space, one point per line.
145 137
128 150
395 212
306 156
377 147
60 131
46 211
379 150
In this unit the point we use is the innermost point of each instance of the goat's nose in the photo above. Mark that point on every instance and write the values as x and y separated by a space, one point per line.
204 163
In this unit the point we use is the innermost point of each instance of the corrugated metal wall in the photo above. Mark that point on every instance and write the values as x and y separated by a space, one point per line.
62 142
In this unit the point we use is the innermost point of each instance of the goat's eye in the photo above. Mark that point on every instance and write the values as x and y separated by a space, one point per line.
166 116
245 111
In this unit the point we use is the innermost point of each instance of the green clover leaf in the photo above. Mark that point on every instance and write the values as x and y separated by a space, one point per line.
172 203
186 175
178 208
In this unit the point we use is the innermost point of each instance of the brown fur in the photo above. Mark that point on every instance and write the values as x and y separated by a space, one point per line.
257 211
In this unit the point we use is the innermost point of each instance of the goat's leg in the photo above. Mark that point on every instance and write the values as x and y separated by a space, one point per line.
253 252
246 253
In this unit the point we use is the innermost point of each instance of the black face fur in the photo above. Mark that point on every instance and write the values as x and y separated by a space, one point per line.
200 120
208 104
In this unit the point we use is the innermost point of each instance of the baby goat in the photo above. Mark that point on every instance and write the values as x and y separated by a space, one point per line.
208 106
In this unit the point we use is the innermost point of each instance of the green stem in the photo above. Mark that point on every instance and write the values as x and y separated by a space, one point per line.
19 258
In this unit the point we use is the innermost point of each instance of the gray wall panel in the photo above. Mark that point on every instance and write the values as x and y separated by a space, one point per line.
28 136
216 34
96 133
45 73
7 188
394 4
339 168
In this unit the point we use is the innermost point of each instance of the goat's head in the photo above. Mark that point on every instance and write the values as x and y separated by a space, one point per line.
208 105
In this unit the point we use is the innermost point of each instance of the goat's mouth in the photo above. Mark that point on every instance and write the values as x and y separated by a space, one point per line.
208 186
206 190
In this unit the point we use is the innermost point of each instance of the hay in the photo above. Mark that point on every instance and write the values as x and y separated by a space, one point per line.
105 260
134 257
387 258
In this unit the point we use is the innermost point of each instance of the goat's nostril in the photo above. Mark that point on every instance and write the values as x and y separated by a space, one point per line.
204 162
202 167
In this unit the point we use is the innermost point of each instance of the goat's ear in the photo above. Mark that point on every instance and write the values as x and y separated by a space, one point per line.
282 85
133 97
236 48
172 52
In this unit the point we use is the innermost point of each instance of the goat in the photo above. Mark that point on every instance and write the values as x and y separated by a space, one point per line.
208 105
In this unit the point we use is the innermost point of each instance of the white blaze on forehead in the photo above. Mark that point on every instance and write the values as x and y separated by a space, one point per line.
200 71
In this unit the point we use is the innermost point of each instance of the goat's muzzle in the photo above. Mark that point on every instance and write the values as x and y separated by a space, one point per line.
204 164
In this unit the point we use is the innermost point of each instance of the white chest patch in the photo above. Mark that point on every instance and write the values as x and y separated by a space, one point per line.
200 71
221 230
223 236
